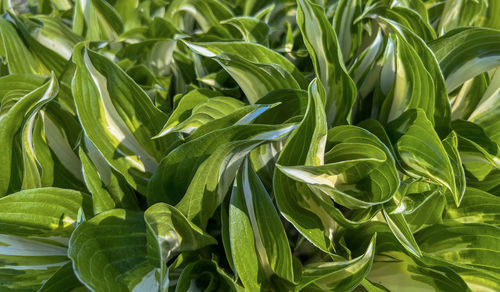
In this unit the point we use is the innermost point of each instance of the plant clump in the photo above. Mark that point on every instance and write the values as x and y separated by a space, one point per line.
216 145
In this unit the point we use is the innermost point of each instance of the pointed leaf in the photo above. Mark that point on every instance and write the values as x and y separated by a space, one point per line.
251 52
11 121
305 147
255 79
325 52
63 279
252 215
117 116
422 152
464 53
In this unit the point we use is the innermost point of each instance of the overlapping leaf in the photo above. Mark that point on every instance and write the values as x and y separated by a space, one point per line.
249 145
35 226
326 55
126 117
256 232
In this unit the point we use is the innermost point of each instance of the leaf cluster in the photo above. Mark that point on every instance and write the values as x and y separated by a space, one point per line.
248 145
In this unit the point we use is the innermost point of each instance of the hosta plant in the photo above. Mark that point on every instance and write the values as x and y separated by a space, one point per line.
248 145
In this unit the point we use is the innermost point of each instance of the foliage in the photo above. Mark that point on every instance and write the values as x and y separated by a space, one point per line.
216 145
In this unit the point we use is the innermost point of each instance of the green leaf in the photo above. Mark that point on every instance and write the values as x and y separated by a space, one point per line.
35 226
289 104
19 58
464 53
338 275
263 160
49 39
401 230
450 144
206 192
354 161
422 152
486 111
31 174
130 13
359 170
425 207
321 41
384 180
115 239
476 149
248 254
392 270
459 13
169 232
13 82
408 18
471 245
184 109
193 277
251 29
255 79
258 240
254 53
27 263
490 183
305 146
63 279
62 133
477 206
478 281
437 102
11 122
96 20
348 31
212 109
52 212
207 13
475 134
365 71
100 197
490 21
243 116
107 188
412 87
197 175
465 99
117 116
